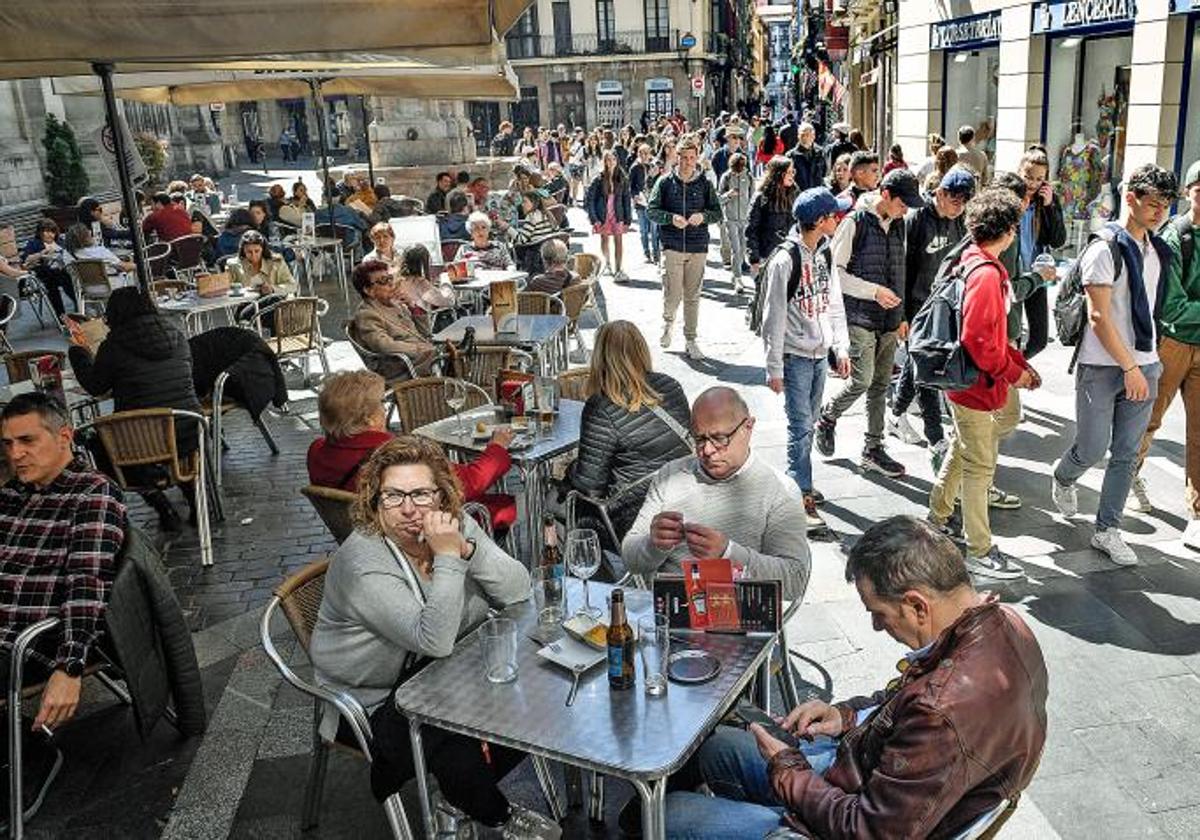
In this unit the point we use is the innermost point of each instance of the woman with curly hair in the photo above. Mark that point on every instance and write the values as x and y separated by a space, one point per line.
771 211
415 576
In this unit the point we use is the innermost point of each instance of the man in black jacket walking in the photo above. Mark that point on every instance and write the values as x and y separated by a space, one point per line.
683 204
929 234
808 159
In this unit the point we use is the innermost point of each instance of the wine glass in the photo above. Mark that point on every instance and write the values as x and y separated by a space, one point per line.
583 559
454 392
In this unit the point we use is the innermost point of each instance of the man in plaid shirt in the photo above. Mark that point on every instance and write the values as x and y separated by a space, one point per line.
61 527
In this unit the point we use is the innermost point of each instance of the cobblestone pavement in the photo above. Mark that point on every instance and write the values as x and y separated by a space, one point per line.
1122 645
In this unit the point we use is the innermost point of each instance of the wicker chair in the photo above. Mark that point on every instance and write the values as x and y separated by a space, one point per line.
300 598
538 303
146 436
92 283
586 265
17 363
333 506
297 328
572 384
481 366
577 299
420 401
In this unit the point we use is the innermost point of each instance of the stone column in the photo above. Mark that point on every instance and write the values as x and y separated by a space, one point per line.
1022 80
20 169
918 92
1155 83
416 132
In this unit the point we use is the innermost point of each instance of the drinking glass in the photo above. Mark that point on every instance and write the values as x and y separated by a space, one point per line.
583 559
454 392
654 646
498 637
548 593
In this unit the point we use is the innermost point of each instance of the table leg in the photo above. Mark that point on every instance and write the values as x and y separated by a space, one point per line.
762 687
341 266
534 479
418 751
654 807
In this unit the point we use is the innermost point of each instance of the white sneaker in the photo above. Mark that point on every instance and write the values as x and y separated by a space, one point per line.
1065 498
665 341
1109 541
694 352
899 427
1139 496
620 277
1191 535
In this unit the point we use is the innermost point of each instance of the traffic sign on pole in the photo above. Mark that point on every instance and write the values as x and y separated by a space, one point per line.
698 87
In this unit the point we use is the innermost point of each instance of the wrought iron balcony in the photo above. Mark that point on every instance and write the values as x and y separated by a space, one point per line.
634 42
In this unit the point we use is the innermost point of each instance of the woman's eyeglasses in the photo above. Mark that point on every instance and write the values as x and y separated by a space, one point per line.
422 497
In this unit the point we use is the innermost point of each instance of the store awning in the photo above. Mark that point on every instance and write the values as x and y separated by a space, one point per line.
385 76
48 39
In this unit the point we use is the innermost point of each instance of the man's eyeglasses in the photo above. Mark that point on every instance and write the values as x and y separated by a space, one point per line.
719 440
422 497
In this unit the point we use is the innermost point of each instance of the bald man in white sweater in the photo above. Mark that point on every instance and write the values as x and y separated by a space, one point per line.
722 502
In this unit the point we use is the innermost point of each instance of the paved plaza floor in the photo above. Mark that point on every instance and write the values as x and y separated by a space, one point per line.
1122 645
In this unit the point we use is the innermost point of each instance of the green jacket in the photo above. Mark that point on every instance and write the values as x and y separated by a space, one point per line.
1179 314
1023 285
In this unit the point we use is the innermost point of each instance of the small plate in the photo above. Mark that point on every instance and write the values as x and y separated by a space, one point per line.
590 631
489 429
692 666
241 293
572 655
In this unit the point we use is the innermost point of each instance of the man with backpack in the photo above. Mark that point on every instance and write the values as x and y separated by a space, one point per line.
868 257
930 233
1118 373
1179 349
804 319
992 219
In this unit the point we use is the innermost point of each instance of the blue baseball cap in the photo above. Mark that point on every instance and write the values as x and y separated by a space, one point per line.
811 205
959 182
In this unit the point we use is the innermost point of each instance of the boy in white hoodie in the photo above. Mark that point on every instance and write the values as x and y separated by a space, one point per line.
804 318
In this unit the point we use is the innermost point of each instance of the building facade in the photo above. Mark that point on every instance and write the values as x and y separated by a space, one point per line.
1104 85
588 62
778 88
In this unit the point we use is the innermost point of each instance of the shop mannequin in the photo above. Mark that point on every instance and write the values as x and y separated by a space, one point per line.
1079 173
1102 208
1079 143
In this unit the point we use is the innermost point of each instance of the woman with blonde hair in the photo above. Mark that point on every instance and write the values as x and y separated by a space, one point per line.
635 420
415 576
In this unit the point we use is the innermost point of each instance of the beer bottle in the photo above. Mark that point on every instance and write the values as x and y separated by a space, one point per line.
620 646
551 556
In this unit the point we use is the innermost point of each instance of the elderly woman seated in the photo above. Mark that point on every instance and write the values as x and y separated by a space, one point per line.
415 576
385 251
383 325
489 253
556 275
352 415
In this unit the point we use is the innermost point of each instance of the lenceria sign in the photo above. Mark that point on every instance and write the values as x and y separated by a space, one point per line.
974 31
1079 14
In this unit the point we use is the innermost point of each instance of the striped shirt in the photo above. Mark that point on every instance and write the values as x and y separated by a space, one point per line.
58 550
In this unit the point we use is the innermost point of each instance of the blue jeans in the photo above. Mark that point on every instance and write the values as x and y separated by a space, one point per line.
803 385
649 234
744 806
1106 420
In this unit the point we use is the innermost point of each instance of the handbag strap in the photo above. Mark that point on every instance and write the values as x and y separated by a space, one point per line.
673 424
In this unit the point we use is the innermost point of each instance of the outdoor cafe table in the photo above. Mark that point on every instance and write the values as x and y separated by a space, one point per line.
194 310
532 462
471 291
545 336
307 248
625 734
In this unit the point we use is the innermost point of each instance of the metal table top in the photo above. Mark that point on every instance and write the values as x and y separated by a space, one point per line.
563 437
622 733
191 303
531 329
485 277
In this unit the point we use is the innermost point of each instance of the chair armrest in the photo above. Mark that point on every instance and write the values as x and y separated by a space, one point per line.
481 515
21 645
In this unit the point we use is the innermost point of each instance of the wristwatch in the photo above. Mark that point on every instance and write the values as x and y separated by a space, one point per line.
73 668
470 553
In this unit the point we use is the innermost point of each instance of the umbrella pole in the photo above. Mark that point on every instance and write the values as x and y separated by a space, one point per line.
367 132
319 106
125 177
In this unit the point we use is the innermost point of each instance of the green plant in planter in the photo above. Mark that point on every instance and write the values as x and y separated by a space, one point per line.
153 155
66 180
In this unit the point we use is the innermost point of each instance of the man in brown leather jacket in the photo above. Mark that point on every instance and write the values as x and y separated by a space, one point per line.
959 731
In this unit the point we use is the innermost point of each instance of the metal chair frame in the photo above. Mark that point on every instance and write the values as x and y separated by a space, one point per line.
219 407
31 289
368 356
315 341
574 497
91 283
8 310
158 259
178 475
187 253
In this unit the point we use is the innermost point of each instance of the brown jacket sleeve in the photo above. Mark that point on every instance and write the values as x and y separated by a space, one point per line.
922 773
393 334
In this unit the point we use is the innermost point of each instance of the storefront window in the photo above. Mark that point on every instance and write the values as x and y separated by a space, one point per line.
972 88
1085 121
1191 114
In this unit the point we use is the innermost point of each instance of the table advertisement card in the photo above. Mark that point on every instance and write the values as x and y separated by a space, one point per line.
504 305
713 595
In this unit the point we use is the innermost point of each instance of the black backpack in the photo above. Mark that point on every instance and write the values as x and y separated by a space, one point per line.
935 335
758 303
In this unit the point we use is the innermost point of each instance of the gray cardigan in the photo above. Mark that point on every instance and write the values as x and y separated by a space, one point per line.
370 618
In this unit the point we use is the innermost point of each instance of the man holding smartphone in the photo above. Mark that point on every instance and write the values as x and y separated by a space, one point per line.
957 732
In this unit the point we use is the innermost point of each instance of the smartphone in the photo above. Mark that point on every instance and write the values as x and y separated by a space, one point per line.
749 714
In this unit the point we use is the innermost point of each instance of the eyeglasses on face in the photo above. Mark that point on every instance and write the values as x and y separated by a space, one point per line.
719 440
422 497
